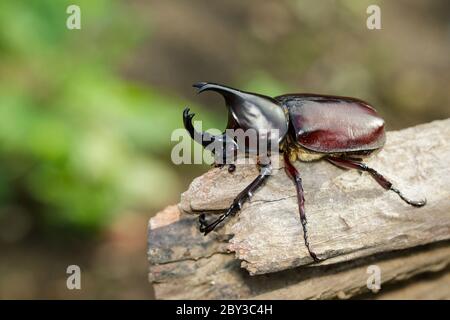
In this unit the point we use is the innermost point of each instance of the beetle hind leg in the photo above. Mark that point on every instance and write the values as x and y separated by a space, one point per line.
347 163
415 203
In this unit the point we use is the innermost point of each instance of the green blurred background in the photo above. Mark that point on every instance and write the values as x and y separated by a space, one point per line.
86 115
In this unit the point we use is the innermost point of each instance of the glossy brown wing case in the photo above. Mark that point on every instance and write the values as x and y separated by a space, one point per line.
331 124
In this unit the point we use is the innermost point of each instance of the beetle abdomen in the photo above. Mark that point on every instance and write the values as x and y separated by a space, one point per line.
330 124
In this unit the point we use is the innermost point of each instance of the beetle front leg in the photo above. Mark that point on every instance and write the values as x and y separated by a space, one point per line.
222 146
231 166
293 173
382 181
204 138
242 197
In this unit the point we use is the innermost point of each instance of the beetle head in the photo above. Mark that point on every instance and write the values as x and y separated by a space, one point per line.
251 111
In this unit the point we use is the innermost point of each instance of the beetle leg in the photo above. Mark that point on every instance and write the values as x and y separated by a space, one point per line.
231 166
218 165
293 173
223 147
382 181
238 201
204 138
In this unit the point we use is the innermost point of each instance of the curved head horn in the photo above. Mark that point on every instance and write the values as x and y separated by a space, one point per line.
250 110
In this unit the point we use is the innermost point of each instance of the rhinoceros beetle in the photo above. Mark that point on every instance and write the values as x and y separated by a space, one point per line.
340 130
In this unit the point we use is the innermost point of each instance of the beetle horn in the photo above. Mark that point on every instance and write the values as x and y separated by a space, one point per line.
250 110
204 86
232 96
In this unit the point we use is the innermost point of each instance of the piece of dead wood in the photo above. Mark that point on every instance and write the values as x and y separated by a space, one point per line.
187 266
428 287
349 217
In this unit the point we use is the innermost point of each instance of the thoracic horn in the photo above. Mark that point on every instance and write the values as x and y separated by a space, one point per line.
250 110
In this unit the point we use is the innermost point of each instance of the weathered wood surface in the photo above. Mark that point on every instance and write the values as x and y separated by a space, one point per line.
185 265
353 281
350 217
428 287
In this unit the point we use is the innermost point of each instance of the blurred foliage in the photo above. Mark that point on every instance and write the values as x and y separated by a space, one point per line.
79 143
86 115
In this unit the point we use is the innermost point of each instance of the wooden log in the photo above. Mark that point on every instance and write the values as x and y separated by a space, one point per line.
193 267
350 217
428 287
353 280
